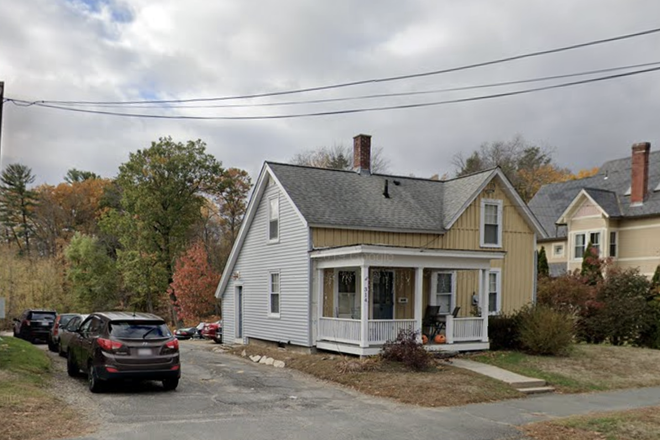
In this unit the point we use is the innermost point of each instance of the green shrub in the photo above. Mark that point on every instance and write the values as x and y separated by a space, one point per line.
545 331
504 332
407 350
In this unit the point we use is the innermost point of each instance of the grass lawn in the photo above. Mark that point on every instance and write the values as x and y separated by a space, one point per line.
587 368
637 424
442 385
29 411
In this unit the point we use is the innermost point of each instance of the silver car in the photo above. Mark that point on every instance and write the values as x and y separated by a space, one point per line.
67 332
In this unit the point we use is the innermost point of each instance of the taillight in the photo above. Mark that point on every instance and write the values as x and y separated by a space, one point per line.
173 344
109 345
26 322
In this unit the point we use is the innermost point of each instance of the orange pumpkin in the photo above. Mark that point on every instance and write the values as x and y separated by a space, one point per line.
440 339
425 339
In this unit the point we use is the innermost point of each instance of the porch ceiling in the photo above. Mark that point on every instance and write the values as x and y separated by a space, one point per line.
388 256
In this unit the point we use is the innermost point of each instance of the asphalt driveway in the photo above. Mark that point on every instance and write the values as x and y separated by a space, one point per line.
224 397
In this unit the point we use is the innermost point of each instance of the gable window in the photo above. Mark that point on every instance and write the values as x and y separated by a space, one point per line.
612 244
580 246
491 223
442 291
274 219
274 296
494 292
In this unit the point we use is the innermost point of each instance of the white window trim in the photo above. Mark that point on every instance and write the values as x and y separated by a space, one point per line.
563 251
279 216
335 301
482 224
434 288
498 301
603 241
270 293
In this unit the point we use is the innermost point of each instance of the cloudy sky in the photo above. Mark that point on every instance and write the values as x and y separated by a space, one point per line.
135 50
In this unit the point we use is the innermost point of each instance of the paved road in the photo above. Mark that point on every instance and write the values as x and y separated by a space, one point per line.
225 397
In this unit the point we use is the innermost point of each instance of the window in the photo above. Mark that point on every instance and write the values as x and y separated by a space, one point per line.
491 223
442 293
348 303
274 303
274 219
580 246
494 292
612 244
594 239
558 250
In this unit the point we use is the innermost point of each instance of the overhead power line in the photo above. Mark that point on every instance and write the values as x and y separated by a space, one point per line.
377 80
346 111
378 95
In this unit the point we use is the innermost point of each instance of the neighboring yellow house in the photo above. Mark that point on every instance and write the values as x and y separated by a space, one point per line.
617 210
344 260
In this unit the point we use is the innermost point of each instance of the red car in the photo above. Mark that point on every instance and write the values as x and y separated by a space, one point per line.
213 331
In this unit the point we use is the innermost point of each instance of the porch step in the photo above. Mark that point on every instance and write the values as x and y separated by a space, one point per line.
536 390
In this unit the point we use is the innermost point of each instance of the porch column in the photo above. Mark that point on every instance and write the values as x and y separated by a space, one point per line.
364 308
320 285
483 301
419 293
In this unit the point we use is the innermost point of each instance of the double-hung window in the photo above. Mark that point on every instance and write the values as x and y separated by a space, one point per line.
273 219
442 291
491 223
580 246
582 240
613 244
594 239
348 302
494 292
274 296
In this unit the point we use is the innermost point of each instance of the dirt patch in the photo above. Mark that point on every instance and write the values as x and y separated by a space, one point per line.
440 386
637 424
587 368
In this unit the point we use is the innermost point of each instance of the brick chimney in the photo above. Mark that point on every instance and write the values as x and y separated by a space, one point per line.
640 172
362 154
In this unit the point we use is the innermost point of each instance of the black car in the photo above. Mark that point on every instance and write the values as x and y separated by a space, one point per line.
186 333
118 345
34 325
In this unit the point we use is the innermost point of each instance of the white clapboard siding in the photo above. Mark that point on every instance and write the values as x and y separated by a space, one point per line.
255 260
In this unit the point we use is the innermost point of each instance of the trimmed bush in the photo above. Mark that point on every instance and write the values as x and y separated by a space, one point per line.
407 350
545 331
504 332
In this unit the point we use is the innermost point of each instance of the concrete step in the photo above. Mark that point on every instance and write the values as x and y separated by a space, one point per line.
536 390
526 383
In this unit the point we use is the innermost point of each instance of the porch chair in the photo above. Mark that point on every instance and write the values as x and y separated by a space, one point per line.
431 321
454 314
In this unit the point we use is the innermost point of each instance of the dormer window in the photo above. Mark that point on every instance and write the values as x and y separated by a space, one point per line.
491 223
274 219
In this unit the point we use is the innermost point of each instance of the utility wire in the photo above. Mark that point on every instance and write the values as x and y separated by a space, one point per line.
378 80
380 95
338 112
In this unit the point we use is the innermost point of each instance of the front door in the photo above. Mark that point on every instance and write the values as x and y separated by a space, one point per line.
383 294
239 312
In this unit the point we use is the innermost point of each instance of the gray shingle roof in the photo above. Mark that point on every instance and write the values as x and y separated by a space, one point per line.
351 200
613 180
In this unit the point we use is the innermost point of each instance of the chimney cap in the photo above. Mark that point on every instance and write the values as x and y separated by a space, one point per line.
641 146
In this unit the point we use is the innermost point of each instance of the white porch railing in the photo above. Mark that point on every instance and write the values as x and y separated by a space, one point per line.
465 329
381 331
340 330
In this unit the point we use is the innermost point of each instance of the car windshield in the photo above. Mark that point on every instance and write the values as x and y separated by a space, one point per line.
40 316
139 330
64 320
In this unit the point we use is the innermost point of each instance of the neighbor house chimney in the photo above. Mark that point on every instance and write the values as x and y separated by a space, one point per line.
362 154
640 172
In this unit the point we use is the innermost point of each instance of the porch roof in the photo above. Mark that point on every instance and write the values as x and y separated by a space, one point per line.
391 256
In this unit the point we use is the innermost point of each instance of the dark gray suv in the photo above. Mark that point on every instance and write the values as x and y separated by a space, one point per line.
118 345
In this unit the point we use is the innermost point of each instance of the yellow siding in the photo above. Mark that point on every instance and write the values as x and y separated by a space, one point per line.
517 238
550 250
586 224
404 287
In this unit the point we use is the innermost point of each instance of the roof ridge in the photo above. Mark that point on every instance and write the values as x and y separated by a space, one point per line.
487 170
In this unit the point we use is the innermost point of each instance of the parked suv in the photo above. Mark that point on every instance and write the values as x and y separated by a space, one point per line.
34 324
118 345
54 334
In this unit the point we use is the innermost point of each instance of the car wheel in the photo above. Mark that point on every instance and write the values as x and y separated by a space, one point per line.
94 383
170 384
52 346
218 340
71 367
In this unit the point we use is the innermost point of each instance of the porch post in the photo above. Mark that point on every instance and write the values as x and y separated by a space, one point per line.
320 287
419 293
483 301
364 308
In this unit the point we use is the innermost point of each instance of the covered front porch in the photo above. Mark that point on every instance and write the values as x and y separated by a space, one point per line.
366 294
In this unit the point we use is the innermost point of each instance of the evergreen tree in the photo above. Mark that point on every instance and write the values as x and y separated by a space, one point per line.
17 204
542 263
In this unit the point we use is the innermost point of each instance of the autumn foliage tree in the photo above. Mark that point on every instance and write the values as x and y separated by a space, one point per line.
194 283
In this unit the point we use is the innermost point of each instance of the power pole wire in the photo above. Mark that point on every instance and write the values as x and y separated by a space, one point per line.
338 112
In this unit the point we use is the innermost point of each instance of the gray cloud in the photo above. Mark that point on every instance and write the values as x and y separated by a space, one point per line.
120 50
